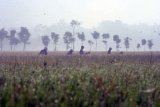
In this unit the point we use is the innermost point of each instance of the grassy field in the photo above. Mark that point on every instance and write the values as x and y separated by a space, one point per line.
96 80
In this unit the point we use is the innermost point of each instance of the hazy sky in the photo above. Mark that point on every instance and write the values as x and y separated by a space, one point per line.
88 12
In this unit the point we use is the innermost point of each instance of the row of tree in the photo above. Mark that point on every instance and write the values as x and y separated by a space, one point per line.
69 38
14 39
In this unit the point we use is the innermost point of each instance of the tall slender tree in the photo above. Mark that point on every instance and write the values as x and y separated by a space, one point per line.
105 36
117 41
105 43
150 44
68 38
15 43
138 46
127 43
3 35
74 24
143 41
13 39
90 44
95 35
81 36
55 38
24 36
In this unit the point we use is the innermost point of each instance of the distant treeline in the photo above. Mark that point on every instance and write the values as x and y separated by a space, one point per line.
69 39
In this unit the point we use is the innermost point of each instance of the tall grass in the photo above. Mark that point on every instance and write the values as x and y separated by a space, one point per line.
79 81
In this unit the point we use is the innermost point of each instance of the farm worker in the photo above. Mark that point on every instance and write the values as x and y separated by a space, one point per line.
109 51
81 52
44 51
70 52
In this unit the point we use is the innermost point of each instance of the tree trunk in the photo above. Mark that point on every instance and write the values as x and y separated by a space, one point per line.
96 44
67 46
55 47
24 47
117 47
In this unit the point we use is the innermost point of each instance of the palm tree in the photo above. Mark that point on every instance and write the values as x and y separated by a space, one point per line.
117 40
3 35
90 44
95 36
138 46
150 44
81 36
45 40
74 24
127 42
105 36
24 36
55 38
68 38
143 41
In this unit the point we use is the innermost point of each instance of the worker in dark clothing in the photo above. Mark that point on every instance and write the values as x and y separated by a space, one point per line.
44 51
109 50
70 52
81 52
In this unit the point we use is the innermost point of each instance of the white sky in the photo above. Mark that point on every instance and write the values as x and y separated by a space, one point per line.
88 12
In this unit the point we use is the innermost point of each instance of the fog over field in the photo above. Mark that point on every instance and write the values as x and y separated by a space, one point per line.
79 53
138 19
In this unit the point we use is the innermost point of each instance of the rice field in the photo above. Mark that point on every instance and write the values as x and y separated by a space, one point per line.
95 80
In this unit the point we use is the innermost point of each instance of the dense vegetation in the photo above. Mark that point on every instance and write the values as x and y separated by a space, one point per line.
98 80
